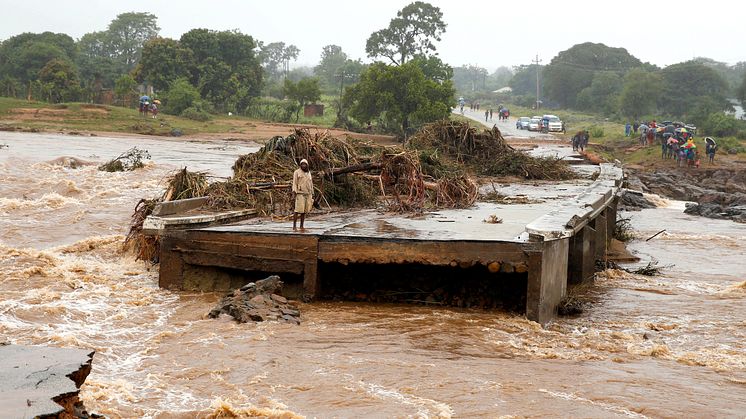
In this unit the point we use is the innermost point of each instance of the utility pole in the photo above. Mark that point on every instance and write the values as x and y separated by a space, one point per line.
537 61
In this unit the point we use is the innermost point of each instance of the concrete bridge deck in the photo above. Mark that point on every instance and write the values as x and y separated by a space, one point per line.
550 242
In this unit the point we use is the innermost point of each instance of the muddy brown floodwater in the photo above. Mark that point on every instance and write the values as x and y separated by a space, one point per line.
667 346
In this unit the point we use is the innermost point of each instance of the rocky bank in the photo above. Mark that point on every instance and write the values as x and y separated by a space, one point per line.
715 193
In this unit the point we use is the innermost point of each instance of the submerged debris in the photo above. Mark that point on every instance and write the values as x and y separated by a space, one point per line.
623 229
651 269
129 160
256 302
145 247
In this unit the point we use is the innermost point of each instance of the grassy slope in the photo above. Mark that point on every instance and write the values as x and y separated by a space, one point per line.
25 115
613 144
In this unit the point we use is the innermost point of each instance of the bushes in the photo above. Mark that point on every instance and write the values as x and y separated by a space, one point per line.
268 109
596 131
180 96
196 113
720 124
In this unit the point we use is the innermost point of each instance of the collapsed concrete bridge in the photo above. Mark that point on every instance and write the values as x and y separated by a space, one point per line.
542 246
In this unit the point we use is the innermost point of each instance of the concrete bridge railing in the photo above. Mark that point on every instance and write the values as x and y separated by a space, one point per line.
573 236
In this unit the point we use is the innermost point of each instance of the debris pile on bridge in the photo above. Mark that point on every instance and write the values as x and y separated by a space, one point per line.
453 146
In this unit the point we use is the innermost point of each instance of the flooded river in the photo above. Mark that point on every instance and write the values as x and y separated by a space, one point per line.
667 346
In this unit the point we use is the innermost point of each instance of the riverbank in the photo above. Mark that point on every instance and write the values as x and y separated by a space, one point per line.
82 119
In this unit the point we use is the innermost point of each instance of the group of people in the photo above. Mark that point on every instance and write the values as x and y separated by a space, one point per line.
680 146
149 107
580 140
633 128
676 142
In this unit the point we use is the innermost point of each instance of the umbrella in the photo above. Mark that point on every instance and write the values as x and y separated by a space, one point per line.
681 130
157 101
710 141
144 98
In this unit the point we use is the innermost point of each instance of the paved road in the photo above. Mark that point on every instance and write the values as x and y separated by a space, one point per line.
507 128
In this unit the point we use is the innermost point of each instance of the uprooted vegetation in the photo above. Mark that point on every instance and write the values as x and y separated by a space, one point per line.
129 160
453 146
433 170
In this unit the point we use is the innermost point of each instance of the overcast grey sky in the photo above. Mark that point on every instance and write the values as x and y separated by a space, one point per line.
480 32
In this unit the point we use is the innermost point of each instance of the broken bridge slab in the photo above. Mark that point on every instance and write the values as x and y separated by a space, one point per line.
36 378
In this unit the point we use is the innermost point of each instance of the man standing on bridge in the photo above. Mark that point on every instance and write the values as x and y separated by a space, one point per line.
302 192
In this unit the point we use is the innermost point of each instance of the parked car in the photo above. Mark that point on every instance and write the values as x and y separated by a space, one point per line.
555 124
522 122
533 124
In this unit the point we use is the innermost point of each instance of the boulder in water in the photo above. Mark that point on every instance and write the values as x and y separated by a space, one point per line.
634 201
258 301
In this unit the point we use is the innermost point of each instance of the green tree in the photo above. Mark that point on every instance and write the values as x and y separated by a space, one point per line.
499 78
732 74
470 78
687 84
523 81
163 61
301 72
304 92
22 56
640 93
741 92
180 96
409 34
720 124
572 70
603 93
125 87
276 58
96 61
127 34
401 96
226 70
60 78
216 83
348 73
332 59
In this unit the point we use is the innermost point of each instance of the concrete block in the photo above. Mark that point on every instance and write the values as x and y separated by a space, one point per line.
582 257
178 206
547 280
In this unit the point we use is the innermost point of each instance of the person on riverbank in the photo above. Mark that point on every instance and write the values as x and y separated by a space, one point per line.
490 114
302 193
627 129
486 116
710 149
